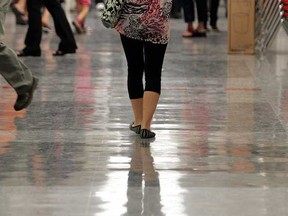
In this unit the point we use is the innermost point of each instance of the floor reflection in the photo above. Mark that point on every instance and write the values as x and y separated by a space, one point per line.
8 129
143 192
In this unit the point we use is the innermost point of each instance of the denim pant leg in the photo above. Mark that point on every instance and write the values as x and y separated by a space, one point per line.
12 69
189 12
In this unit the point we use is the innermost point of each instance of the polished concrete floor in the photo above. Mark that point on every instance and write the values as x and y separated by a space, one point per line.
221 147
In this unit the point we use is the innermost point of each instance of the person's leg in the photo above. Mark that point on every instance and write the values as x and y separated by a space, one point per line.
34 32
135 60
214 5
189 17
83 14
13 70
176 9
84 10
20 6
19 9
45 17
46 27
202 10
76 23
18 76
154 57
83 7
62 27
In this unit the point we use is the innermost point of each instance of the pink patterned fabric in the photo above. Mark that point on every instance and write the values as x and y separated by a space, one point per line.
146 20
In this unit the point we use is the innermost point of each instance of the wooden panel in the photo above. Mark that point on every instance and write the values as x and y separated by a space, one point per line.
241 22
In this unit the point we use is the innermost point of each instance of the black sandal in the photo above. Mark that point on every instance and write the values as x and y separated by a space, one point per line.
146 134
136 128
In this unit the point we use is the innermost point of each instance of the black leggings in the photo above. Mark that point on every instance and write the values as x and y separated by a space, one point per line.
143 57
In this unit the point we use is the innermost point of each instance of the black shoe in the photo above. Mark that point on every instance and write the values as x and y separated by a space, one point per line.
24 99
136 128
146 134
24 53
199 34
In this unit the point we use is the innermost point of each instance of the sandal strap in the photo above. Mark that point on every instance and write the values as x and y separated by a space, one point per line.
146 134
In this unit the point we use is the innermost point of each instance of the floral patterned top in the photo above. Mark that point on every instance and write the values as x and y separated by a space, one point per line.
146 20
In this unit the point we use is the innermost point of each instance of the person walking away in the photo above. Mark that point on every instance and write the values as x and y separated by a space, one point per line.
144 31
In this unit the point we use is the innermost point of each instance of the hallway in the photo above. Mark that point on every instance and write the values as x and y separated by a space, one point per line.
221 147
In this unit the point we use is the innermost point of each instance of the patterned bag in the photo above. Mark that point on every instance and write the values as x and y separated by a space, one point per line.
112 12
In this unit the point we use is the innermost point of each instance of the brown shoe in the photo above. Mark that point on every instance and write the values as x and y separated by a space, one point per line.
24 99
